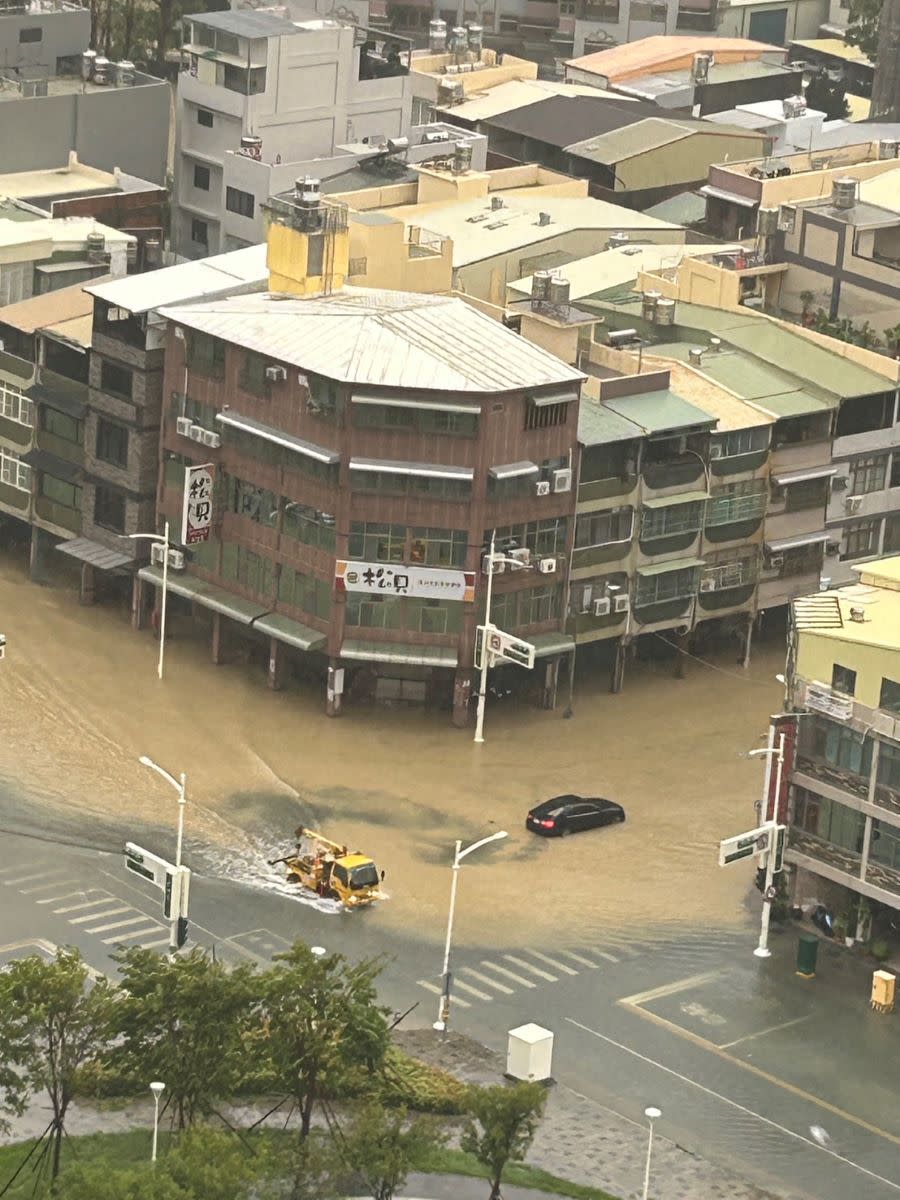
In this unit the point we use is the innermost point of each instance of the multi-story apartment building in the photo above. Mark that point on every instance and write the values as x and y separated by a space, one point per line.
366 444
40 254
53 99
843 760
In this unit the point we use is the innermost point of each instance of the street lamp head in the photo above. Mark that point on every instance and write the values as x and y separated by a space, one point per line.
652 1113
500 834
157 1088
145 761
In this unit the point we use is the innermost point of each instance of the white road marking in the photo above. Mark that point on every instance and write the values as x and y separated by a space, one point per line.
526 966
670 989
126 937
153 945
579 958
98 916
552 962
467 987
16 867
42 887
105 898
609 957
762 1032
486 962
117 924
432 987
740 1107
26 878
500 987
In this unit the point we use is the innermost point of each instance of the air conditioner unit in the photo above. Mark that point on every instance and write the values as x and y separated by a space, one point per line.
542 488
157 553
601 607
707 585
562 480
547 566
776 561
853 503
621 604
211 438
183 426
716 451
276 374
499 567
196 433
176 560
521 555
839 483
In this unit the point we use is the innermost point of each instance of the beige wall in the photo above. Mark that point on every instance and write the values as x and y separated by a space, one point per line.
443 187
428 70
561 340
816 655
686 160
809 185
390 263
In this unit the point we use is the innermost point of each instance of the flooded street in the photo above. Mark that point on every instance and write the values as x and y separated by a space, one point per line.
80 701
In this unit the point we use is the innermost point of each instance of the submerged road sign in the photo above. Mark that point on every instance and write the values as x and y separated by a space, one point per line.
755 841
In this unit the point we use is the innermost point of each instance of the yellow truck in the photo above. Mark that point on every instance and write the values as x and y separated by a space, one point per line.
331 871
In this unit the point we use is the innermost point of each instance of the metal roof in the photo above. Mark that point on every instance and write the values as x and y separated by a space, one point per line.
659 52
248 23
47 310
208 595
677 564
559 120
518 93
661 412
372 337
189 281
399 653
687 208
95 554
598 425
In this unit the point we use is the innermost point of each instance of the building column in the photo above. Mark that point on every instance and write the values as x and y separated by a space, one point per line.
334 694
275 678
88 582
462 695
138 603
617 675
217 638
748 641
36 555
551 681
681 644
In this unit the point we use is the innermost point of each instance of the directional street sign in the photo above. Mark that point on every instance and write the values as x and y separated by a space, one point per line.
502 647
173 882
755 841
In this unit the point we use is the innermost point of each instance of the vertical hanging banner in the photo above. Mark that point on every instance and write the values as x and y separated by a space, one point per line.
197 514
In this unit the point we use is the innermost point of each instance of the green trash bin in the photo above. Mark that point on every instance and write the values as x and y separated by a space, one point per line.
807 950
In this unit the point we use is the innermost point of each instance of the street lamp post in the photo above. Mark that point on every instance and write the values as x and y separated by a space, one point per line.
179 785
158 541
443 1020
651 1114
492 559
157 1089
771 820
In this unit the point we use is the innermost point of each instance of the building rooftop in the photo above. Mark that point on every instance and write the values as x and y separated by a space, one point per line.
561 120
56 231
247 22
73 179
187 281
640 137
66 314
883 191
479 232
665 51
877 593
68 85
656 84
515 94
599 424
836 47
687 208
379 338
661 412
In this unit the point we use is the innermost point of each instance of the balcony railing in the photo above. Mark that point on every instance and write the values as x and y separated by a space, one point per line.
835 856
848 781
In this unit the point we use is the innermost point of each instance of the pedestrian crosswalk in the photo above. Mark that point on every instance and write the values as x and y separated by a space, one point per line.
508 972
91 910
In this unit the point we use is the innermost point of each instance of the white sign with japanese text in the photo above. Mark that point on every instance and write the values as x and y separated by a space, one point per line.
428 583
197 514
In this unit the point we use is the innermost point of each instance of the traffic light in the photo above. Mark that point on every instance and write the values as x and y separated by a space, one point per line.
760 879
182 931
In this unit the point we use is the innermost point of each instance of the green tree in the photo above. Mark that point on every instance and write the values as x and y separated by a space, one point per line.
381 1146
186 1022
54 1018
502 1126
321 1023
862 26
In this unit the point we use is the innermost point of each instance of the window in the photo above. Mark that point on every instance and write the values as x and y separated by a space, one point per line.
61 425
528 607
255 503
61 492
199 232
32 33
843 680
729 570
439 547
665 586
737 502
239 79
861 538
201 177
543 538
889 766
268 452
204 118
306 592
868 474
863 414
115 379
892 534
885 845
598 529
826 819
373 542
415 420
800 560
253 375
200 414
206 355
433 616
841 747
109 509
545 416
617 461
807 493
112 442
13 472
247 568
373 612
641 10
890 696
895 469
601 10
672 520
14 406
307 525
240 202
741 441
793 430
360 266
387 483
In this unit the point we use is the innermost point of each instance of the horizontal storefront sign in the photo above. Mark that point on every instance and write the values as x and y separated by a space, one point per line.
427 583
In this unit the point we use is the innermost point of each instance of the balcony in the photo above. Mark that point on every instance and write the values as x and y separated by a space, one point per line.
837 857
58 514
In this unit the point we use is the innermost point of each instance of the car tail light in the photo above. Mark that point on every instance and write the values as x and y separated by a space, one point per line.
547 824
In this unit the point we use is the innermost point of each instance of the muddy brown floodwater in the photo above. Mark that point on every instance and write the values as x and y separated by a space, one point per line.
80 701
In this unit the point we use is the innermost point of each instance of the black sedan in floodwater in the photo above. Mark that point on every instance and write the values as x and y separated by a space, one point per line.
570 814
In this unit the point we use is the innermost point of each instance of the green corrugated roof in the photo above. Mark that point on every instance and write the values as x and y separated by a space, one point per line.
598 425
686 208
661 412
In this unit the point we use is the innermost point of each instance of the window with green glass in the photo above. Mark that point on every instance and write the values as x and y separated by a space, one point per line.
255 503
830 821
308 525
306 592
842 747
61 425
60 491
889 766
253 374
415 420
433 616
374 612
275 455
666 585
671 520
253 571
737 502
544 538
371 541
390 484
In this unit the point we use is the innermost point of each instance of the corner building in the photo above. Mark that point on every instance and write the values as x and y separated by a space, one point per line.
366 443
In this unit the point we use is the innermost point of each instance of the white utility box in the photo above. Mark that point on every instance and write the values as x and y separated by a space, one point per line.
529 1055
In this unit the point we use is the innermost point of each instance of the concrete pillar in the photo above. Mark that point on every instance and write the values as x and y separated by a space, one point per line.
462 694
275 678
138 603
217 638
86 593
617 677
748 641
36 555
681 654
551 680
334 694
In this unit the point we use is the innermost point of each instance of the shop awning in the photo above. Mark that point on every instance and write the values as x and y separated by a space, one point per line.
679 564
430 470
439 406
399 653
546 644
681 498
95 554
39 393
208 595
277 437
806 473
293 633
49 464
513 470
731 197
800 539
